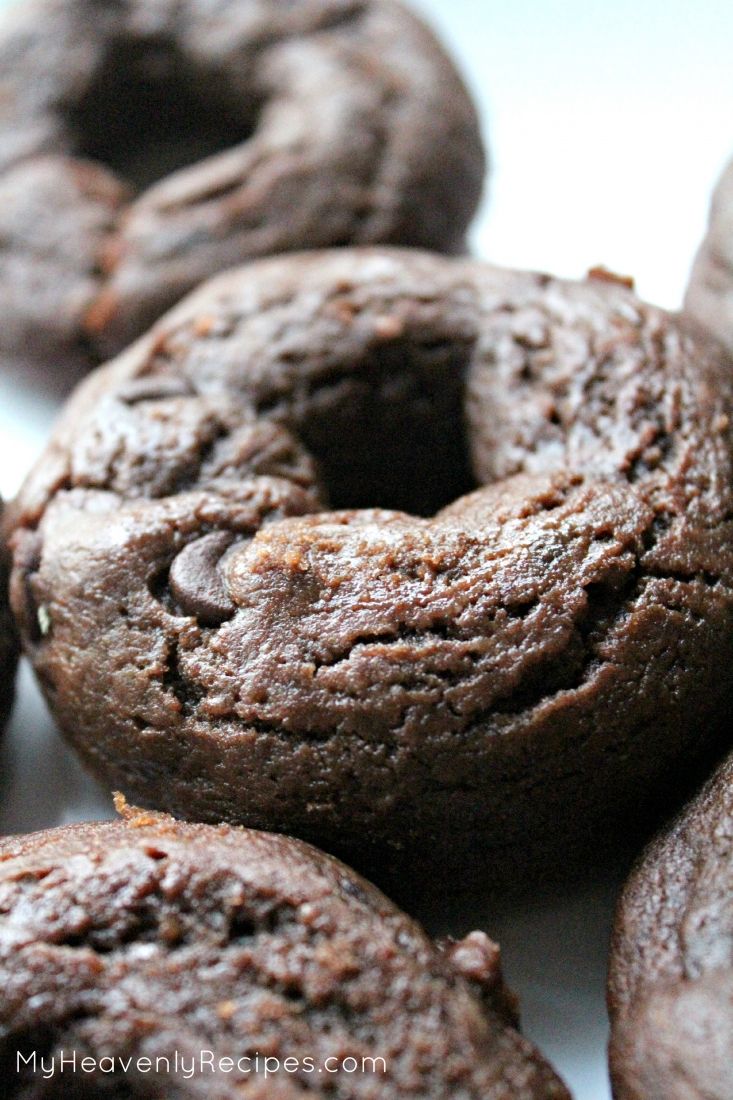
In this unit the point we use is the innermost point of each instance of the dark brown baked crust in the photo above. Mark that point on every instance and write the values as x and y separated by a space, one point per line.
519 671
148 936
8 636
671 973
709 297
143 148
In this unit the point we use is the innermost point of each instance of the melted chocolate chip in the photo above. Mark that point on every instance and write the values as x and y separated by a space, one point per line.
196 582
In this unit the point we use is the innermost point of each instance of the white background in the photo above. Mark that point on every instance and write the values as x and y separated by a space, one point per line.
608 124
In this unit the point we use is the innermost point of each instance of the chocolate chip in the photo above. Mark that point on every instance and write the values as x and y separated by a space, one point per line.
196 583
153 388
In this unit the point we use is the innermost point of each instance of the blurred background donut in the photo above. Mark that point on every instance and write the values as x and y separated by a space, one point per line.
709 296
145 146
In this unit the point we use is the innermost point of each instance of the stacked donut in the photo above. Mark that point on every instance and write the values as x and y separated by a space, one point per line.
382 548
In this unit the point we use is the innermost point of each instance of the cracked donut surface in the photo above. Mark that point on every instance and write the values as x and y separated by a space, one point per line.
413 557
153 939
671 973
145 146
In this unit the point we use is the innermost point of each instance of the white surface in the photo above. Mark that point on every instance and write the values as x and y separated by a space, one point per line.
608 124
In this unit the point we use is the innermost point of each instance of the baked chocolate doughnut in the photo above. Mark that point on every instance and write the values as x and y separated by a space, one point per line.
671 974
519 669
151 939
146 146
709 297
8 638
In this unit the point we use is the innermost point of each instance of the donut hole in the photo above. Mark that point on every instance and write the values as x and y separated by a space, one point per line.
148 111
393 433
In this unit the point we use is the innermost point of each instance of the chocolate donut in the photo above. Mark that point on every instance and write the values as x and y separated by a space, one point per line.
709 296
671 974
8 638
521 668
153 940
145 147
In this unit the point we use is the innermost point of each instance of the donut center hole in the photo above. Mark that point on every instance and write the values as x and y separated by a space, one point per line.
149 112
392 434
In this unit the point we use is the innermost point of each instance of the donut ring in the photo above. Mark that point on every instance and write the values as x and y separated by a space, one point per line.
709 297
671 974
8 638
146 146
149 937
520 669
